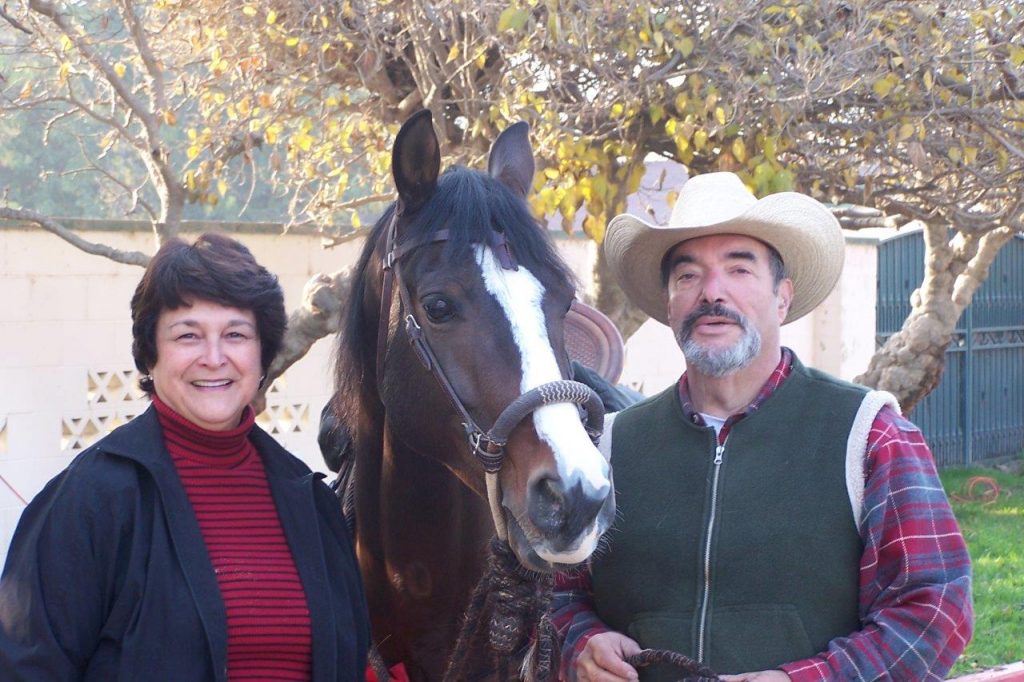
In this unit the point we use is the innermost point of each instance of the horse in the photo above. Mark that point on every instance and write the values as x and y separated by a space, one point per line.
455 320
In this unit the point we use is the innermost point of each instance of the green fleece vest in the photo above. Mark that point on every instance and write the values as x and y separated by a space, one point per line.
746 564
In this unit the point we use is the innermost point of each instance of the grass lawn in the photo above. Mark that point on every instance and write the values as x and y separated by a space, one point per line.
994 530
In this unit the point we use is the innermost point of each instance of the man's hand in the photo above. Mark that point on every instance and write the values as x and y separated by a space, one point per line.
602 659
762 676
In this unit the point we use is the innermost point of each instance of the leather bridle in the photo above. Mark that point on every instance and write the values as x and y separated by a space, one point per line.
487 446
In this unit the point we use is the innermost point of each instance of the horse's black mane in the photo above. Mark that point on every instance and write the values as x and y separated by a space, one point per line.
469 204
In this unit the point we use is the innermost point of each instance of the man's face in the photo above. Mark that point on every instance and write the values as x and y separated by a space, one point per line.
723 305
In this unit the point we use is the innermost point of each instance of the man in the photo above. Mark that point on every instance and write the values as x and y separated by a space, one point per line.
775 523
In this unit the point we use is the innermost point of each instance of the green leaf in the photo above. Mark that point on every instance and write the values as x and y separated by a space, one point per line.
513 19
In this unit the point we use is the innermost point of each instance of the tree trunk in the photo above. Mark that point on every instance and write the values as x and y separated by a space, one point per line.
911 362
323 303
610 299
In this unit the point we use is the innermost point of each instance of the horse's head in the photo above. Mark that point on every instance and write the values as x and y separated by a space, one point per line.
478 280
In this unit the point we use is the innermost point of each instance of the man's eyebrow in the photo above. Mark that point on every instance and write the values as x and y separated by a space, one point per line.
742 255
677 259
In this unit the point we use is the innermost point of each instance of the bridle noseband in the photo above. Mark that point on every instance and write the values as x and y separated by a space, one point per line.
487 446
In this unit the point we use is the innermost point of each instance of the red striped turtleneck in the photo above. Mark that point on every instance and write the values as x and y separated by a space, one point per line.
269 634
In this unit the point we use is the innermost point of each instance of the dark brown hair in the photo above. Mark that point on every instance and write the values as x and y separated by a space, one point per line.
215 268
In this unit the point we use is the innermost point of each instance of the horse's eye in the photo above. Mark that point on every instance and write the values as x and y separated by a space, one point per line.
438 308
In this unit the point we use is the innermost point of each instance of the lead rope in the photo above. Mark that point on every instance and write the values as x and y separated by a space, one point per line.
695 672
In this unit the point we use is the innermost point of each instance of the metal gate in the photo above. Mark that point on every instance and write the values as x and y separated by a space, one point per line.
977 410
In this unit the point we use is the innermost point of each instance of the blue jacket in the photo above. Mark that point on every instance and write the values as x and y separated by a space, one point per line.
108 577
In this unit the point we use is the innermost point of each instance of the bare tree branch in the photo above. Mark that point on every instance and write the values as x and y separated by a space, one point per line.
52 226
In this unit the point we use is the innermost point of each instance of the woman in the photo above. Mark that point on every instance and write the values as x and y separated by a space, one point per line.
187 544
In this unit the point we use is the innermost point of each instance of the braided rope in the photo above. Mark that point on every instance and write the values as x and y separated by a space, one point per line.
694 671
549 394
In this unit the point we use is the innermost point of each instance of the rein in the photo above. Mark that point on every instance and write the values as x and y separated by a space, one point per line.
487 446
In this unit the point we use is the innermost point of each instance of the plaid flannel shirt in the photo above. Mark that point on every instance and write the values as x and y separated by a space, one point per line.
915 574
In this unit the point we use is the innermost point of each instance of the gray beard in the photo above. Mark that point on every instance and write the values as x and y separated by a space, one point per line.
715 362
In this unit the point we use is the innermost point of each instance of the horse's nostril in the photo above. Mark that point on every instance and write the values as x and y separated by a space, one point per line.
547 504
556 510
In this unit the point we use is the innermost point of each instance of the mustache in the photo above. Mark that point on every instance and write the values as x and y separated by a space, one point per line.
709 310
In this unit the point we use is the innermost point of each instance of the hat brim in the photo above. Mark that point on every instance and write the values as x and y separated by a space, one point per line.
803 231
594 341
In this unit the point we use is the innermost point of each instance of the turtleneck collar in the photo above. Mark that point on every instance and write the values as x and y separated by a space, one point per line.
212 448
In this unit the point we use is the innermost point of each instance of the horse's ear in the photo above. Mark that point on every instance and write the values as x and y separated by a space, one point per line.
511 159
416 161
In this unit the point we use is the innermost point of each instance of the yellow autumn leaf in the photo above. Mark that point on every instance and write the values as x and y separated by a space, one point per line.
593 228
739 150
954 154
720 115
271 17
700 138
1016 54
62 73
193 152
453 54
249 11
685 46
303 140
906 130
883 86
222 187
26 91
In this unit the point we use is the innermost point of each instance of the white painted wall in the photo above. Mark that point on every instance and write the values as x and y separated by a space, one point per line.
66 369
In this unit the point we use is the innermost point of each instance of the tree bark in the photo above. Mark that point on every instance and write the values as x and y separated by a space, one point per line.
323 303
910 363
610 299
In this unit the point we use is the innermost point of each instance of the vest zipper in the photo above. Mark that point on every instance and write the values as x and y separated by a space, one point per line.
719 451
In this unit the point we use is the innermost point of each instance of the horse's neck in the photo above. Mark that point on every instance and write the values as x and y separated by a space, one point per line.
422 542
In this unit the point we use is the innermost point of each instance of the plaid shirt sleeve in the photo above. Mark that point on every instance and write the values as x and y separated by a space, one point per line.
572 612
915 573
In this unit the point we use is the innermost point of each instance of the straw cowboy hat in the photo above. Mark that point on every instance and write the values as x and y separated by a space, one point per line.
802 230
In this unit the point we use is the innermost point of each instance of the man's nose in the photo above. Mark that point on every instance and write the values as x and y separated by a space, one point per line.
713 290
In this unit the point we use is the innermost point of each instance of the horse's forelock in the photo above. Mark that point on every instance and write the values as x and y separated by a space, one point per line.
470 204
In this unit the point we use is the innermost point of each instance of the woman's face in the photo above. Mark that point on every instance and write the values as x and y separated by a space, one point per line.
207 363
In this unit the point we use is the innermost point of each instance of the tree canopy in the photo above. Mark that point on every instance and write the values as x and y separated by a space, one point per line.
911 108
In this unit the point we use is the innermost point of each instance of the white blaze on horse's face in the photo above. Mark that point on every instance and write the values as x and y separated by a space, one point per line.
520 296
